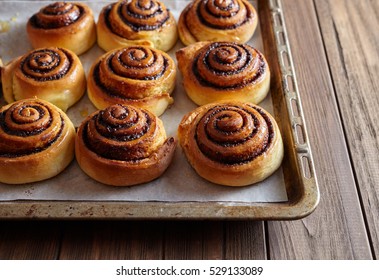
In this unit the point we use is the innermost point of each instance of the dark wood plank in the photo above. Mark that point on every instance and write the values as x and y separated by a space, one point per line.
112 240
29 240
350 33
189 240
336 230
215 240
168 240
245 241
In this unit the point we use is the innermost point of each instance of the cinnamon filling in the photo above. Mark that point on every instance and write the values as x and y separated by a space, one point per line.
222 15
228 134
139 25
136 15
228 66
111 135
24 133
47 64
25 152
111 80
57 15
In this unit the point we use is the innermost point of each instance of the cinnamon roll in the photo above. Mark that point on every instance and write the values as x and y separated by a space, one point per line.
231 143
52 74
136 22
36 141
123 146
217 20
222 70
63 24
138 75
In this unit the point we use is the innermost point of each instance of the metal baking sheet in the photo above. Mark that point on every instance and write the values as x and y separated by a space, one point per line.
297 175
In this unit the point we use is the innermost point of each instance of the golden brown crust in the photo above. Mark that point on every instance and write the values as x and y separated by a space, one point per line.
223 71
217 20
136 22
231 143
36 141
123 146
52 74
139 76
63 24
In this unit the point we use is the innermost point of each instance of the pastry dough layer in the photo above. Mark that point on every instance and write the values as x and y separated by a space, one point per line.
231 143
53 74
123 146
217 20
36 141
223 71
63 24
136 22
138 76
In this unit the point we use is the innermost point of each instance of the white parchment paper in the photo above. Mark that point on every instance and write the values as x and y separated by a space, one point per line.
179 183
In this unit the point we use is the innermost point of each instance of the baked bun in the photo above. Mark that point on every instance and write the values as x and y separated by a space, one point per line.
231 143
52 74
219 71
217 20
63 24
36 141
123 146
136 22
138 76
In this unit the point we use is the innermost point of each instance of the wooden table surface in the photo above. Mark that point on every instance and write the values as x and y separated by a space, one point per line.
335 47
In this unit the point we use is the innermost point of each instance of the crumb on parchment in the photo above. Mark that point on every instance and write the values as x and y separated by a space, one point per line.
14 18
4 26
84 112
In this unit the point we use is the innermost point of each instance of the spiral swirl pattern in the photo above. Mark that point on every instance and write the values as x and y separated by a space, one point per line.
223 14
46 64
228 65
217 21
28 127
121 133
114 72
139 15
232 134
58 14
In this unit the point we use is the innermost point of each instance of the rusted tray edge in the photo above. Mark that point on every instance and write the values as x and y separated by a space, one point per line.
306 203
151 210
297 207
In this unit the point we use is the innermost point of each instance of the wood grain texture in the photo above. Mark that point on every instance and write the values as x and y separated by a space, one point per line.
245 241
215 240
193 240
183 240
336 229
29 240
350 34
112 240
